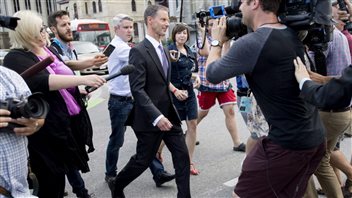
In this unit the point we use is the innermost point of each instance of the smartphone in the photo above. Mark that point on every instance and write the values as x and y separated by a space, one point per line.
108 50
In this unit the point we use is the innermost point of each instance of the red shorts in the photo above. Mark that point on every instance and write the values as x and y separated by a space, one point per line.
207 99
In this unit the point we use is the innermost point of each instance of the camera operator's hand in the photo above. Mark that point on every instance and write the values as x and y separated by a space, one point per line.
343 15
30 125
218 31
4 118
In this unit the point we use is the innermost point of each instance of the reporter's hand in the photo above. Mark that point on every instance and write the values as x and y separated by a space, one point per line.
99 59
197 82
4 118
181 94
218 31
164 124
343 15
300 69
174 55
93 80
30 126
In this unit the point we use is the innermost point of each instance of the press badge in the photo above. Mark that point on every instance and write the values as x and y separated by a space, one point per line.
246 104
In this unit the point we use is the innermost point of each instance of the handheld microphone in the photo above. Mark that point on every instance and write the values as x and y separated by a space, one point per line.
123 71
37 67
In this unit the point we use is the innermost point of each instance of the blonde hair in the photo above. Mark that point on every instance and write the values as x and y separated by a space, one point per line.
27 30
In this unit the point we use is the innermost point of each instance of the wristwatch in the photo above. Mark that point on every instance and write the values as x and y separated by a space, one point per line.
216 43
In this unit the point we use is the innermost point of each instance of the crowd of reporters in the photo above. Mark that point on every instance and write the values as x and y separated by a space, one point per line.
56 144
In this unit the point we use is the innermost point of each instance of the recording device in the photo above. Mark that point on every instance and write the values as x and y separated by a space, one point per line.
8 22
108 50
37 67
34 106
343 7
297 14
217 11
123 71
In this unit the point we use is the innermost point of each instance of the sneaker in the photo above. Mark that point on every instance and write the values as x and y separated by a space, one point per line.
240 148
108 178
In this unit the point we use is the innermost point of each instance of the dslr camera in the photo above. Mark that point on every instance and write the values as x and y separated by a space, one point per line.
34 106
235 28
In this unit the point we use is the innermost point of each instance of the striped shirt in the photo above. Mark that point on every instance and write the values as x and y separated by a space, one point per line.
13 148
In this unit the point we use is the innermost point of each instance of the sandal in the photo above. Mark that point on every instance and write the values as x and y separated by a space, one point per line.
193 170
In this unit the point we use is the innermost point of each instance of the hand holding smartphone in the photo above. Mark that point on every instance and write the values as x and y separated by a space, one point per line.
174 55
108 50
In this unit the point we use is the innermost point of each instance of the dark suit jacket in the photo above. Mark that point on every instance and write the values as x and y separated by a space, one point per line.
150 88
335 94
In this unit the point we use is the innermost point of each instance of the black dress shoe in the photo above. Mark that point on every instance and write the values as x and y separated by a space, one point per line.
114 192
162 178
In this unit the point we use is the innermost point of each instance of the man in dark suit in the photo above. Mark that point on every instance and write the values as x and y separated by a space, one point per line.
154 117
336 93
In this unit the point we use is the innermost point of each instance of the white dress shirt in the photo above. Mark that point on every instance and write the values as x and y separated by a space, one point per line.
119 58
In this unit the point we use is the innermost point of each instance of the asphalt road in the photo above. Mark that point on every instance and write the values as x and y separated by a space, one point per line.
219 165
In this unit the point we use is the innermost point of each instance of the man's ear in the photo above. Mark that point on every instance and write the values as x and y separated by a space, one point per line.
53 29
256 4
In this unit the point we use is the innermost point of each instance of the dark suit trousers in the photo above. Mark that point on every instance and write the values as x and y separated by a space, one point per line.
147 146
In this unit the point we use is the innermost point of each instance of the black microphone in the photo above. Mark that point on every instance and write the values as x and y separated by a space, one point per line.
123 71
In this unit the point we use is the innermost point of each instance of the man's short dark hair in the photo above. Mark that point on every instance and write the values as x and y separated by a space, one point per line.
152 10
179 28
52 18
268 5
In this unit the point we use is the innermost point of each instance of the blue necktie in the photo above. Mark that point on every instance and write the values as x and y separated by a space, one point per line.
164 61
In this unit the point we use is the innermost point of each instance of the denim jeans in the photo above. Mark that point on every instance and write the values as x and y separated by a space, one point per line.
119 109
77 183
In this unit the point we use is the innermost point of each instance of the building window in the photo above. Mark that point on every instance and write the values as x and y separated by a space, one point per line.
75 11
176 4
16 5
135 27
86 5
134 5
28 4
149 3
38 5
94 7
100 6
49 8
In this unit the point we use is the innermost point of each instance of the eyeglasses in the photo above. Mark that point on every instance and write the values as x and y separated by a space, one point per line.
43 29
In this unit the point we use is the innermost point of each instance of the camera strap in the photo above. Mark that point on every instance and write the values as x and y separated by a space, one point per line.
4 192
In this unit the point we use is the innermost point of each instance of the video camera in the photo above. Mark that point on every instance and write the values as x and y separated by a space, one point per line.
297 14
34 106
342 6
235 27
8 22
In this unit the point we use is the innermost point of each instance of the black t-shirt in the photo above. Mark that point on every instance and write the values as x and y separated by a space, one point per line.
266 57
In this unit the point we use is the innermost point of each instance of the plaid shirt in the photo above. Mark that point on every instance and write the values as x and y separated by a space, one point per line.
338 55
13 148
205 84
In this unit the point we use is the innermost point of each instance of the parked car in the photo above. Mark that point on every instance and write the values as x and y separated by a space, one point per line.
3 53
86 50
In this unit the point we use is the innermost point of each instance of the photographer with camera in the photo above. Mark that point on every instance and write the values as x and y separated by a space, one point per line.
59 146
13 140
280 164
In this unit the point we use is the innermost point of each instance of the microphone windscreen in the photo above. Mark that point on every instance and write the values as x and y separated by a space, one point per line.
127 69
38 67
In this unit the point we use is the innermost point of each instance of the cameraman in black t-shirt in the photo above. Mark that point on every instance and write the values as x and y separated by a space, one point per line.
279 165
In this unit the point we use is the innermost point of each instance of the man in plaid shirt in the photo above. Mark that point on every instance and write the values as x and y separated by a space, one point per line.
209 93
